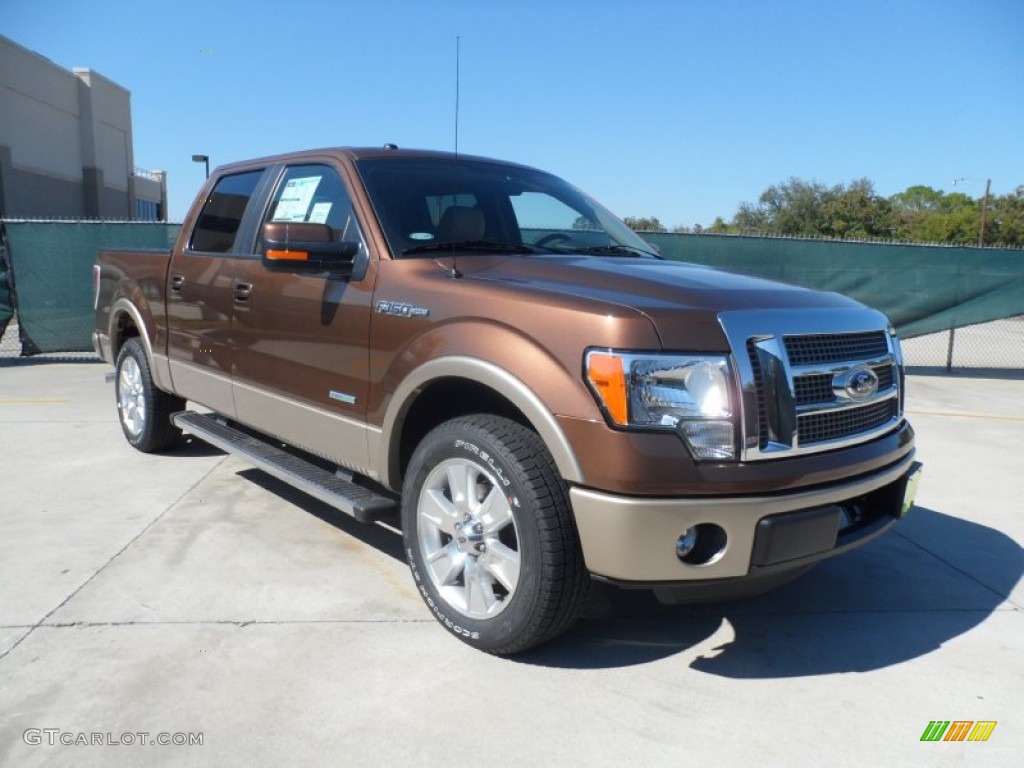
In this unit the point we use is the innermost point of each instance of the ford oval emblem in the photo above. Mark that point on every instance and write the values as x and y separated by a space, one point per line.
861 383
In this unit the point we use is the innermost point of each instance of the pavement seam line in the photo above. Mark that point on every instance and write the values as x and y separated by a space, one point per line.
959 570
965 415
240 623
112 558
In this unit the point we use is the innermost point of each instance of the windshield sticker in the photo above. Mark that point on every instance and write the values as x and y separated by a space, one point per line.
295 198
421 236
319 213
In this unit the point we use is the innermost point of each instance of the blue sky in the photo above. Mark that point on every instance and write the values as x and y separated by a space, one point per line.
680 110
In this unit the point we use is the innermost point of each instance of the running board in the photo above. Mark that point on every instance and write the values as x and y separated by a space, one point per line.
363 504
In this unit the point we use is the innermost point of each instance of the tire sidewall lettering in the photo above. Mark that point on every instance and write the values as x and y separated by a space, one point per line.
432 604
486 458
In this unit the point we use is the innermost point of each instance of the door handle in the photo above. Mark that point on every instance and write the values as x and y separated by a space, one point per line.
177 281
242 292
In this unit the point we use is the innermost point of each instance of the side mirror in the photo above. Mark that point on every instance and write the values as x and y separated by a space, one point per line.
306 247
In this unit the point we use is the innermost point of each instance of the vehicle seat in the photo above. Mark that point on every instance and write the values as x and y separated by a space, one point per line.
460 222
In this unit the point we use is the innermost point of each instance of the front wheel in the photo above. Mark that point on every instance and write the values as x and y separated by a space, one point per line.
143 410
490 536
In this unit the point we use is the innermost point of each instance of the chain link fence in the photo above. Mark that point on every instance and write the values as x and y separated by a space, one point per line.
995 345
10 351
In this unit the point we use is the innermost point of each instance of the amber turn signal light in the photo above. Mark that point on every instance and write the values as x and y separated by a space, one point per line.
608 378
288 255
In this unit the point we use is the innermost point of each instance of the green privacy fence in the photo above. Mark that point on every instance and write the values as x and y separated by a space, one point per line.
46 273
922 288
6 294
50 276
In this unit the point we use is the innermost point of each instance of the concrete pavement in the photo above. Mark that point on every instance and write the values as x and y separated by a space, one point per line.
188 594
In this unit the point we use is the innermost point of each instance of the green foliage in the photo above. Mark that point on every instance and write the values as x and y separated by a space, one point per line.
927 215
644 224
800 208
1006 219
718 226
808 209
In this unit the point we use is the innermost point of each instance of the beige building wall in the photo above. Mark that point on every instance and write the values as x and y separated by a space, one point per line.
65 142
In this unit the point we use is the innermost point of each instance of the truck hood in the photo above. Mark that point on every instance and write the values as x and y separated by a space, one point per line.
682 300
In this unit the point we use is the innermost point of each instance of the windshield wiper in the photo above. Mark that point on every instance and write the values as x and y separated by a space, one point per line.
618 249
484 246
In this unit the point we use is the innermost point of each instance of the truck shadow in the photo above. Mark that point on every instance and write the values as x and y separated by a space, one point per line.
192 447
384 536
933 578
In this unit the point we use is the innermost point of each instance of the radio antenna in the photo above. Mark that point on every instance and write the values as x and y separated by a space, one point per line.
458 41
454 273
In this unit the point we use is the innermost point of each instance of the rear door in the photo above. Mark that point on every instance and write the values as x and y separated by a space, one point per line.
200 287
302 339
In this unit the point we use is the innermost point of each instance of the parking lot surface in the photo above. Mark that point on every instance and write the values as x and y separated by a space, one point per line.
187 597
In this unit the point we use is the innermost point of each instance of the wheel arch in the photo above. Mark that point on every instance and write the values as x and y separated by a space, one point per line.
447 387
125 323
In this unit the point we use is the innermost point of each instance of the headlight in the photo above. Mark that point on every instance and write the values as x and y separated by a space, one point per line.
689 394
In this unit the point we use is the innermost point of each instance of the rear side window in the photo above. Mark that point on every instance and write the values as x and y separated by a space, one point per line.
218 223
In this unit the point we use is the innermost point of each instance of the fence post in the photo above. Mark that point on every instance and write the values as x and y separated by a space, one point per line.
949 352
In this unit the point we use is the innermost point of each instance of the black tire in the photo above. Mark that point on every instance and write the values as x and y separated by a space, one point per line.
143 410
500 565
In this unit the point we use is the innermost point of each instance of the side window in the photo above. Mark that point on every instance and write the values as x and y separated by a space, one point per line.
315 194
222 214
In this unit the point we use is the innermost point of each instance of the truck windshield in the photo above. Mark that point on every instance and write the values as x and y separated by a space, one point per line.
433 204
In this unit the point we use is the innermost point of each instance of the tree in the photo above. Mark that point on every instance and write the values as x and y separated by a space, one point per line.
750 218
794 207
918 214
718 226
923 214
810 209
1006 219
856 211
644 224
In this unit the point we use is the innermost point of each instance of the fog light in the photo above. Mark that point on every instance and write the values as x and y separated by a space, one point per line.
686 543
702 544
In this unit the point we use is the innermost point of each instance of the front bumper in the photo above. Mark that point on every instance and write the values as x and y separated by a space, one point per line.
632 541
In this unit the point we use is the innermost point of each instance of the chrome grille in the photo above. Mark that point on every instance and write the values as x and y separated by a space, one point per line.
762 403
824 426
836 347
796 381
814 388
886 376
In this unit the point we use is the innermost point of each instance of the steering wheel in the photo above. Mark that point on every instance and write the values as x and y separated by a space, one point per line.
554 237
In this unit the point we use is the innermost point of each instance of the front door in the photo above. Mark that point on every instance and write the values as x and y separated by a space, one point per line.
301 339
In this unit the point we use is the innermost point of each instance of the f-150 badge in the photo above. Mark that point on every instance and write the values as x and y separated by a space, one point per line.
400 309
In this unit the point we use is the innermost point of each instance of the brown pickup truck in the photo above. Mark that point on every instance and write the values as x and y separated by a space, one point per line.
485 351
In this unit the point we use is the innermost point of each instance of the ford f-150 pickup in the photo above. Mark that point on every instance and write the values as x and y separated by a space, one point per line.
484 353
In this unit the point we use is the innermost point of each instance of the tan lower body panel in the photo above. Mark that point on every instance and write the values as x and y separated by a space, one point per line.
634 539
202 386
318 431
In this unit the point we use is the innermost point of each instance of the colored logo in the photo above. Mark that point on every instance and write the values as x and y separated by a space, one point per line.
958 730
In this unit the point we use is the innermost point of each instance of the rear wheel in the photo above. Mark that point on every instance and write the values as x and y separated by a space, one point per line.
144 411
490 536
